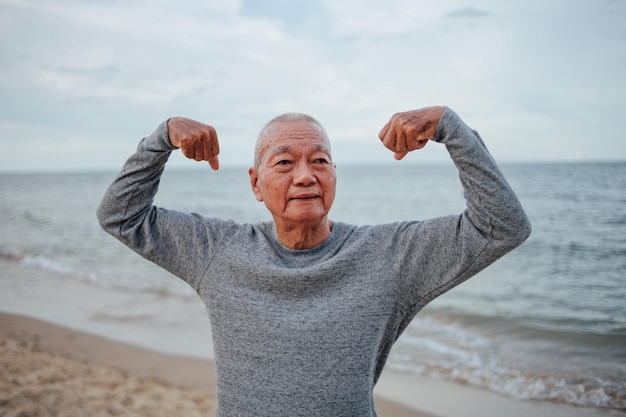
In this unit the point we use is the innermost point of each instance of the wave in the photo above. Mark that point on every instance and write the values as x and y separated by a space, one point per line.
514 384
41 262
510 358
122 318
157 287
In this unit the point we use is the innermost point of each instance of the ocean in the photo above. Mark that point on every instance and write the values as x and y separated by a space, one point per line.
545 323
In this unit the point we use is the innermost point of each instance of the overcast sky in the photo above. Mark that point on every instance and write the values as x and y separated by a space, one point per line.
82 81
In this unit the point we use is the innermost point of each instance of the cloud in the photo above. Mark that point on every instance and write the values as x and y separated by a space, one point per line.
296 18
468 12
106 73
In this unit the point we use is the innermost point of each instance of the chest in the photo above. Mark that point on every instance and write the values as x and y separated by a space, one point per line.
336 303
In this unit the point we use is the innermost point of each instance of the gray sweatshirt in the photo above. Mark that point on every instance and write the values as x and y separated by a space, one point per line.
307 332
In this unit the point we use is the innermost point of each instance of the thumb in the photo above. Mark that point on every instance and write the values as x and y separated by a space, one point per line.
214 162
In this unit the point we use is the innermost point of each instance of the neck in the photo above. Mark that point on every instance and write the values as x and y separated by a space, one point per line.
300 236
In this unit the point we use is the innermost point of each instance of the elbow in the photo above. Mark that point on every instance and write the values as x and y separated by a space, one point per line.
102 217
106 219
526 230
520 231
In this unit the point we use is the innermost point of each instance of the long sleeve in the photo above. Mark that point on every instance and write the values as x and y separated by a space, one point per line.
178 242
440 253
492 206
132 192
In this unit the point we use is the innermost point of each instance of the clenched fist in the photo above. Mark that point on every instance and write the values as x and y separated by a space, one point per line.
411 130
198 141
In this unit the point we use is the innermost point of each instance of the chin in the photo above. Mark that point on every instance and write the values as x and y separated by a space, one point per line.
309 217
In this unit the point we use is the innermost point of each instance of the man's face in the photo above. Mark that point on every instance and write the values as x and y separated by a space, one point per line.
295 176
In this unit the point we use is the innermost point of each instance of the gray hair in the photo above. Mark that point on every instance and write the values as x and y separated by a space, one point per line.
283 118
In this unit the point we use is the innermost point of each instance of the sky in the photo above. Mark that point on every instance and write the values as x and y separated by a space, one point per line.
81 82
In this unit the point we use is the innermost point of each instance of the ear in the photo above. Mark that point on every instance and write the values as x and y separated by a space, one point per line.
254 183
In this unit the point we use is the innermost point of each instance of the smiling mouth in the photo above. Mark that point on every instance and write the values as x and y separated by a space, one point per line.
305 197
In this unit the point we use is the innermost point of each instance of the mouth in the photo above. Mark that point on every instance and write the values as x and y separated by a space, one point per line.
308 196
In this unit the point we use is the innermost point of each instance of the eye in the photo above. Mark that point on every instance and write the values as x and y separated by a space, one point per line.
283 162
321 161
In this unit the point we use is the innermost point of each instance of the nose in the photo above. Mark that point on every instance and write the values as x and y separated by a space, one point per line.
303 175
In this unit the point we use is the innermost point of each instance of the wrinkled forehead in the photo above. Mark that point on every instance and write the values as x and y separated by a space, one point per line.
285 146
281 137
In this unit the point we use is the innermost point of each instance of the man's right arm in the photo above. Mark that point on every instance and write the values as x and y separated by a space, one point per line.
168 238
130 196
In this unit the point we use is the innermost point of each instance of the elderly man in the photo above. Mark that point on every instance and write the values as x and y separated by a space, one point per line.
304 310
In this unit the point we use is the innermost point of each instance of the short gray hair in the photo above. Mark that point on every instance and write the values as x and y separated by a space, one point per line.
284 118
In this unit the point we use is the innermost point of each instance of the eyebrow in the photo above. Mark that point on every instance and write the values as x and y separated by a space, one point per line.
287 149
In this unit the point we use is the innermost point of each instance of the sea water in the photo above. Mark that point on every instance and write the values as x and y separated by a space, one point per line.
547 322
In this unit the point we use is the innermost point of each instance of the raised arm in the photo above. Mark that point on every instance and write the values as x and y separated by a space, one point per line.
492 205
440 253
169 238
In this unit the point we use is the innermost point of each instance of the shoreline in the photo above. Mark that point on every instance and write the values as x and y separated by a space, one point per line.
396 395
86 322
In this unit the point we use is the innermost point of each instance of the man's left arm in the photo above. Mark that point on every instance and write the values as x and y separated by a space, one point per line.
492 206
445 251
